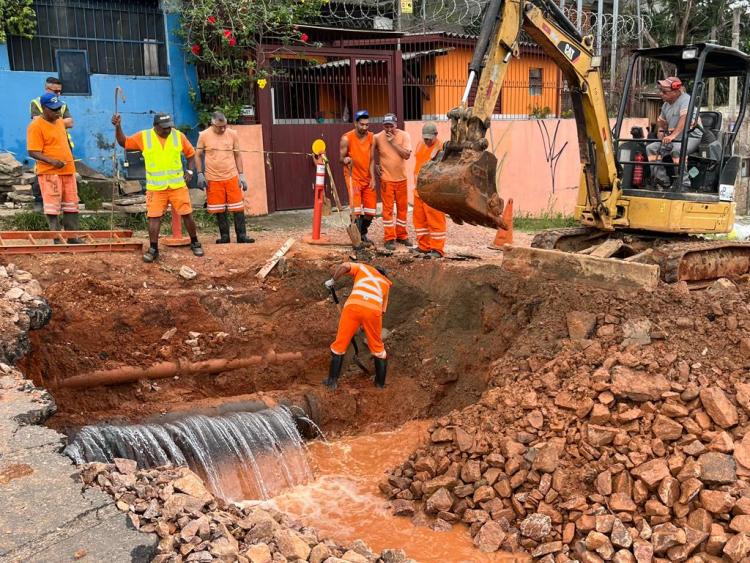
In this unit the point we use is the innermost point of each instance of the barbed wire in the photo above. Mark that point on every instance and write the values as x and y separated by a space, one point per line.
460 16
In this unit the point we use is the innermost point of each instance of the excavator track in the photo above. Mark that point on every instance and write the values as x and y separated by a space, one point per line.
679 259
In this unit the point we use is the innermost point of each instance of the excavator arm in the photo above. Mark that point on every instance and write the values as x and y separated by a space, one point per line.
461 181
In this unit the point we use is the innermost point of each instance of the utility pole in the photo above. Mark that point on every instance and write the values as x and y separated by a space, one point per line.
736 13
712 81
599 17
579 15
613 54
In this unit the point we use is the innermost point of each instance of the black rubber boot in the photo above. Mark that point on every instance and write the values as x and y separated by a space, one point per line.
381 367
54 225
240 228
70 223
364 226
223 221
337 362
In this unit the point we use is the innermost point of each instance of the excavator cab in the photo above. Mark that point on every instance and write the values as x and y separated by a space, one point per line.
706 168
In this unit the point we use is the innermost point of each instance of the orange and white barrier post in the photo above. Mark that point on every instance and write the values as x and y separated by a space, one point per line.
177 238
504 236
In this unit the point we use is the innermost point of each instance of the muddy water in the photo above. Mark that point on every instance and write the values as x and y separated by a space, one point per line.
344 502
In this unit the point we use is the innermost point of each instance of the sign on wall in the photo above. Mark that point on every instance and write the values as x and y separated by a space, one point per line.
407 6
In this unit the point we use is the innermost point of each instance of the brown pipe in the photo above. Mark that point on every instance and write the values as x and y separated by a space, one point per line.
171 369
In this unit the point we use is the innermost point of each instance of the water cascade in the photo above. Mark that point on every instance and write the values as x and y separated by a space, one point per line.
239 455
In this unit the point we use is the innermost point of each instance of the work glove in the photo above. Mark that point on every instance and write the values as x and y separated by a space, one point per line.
202 182
330 283
243 183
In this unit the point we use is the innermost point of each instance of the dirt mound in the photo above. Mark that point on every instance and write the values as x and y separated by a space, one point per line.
193 525
626 442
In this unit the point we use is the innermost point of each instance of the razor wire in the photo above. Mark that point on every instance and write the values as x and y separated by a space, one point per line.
447 15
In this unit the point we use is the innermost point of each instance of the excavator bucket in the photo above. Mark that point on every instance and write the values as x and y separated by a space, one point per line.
462 185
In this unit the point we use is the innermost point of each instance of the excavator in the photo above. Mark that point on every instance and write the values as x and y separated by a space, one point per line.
619 202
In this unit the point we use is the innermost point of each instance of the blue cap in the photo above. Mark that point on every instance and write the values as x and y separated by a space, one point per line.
50 101
361 114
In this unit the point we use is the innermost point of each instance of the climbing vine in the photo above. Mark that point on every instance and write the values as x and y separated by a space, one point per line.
17 17
222 38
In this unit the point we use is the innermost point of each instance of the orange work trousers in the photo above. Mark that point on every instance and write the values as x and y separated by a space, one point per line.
430 226
353 317
390 193
364 199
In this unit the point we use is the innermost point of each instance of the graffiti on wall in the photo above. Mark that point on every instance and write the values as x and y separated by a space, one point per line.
552 153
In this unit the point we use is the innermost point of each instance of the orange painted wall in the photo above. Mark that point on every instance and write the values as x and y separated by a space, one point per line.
253 163
451 71
526 173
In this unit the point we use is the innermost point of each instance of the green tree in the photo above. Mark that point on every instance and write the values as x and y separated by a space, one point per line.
17 17
222 37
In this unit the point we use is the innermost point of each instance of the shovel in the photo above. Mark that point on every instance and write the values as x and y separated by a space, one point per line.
357 361
352 229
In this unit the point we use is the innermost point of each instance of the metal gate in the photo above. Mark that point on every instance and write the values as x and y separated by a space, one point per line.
313 95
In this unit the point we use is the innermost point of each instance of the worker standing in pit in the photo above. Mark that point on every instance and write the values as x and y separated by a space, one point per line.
429 224
364 308
394 149
356 153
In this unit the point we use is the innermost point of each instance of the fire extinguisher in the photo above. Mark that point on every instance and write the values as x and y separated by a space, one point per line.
638 169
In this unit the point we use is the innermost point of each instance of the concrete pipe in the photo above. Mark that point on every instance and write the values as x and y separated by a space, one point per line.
181 367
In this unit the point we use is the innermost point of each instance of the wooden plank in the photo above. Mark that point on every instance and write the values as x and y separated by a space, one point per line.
607 248
640 256
608 273
273 260
24 235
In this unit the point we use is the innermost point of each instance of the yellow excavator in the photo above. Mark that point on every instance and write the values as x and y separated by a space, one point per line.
619 200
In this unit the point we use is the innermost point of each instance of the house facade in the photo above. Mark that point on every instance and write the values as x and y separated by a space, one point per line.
94 47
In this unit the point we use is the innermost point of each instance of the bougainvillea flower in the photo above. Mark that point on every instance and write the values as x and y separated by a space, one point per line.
262 83
304 37
211 19
227 33
232 41
196 49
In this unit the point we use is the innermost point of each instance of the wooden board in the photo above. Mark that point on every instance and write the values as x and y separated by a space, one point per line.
273 260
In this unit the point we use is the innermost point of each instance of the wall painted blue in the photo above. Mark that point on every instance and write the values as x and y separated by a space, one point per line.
93 133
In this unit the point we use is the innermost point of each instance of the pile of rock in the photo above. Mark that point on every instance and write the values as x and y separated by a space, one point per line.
15 184
607 452
195 526
22 308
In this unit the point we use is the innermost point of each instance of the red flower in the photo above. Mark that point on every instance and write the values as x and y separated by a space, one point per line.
232 41
211 19
304 37
196 49
227 33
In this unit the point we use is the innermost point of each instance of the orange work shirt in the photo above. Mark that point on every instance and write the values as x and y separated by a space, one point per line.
370 288
423 154
220 151
394 167
51 139
360 151
135 143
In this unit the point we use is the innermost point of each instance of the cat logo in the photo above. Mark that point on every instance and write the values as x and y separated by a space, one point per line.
569 50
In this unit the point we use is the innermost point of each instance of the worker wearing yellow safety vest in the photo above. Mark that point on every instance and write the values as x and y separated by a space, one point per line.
163 147
53 85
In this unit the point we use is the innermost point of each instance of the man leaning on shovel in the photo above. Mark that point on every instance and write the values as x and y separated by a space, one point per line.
364 308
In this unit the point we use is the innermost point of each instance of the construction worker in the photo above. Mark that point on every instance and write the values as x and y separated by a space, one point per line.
394 149
166 182
52 85
356 153
364 308
429 223
223 180
47 143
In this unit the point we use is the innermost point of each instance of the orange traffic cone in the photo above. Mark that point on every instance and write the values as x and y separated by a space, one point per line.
177 238
504 236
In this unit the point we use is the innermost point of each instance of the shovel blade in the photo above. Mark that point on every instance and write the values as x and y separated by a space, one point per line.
462 185
354 235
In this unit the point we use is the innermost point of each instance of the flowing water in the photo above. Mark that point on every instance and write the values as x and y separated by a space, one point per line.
344 502
239 455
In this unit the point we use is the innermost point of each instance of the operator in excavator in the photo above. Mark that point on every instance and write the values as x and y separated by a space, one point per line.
364 308
671 124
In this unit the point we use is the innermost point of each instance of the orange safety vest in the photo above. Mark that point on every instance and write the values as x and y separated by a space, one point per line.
370 288
424 154
360 152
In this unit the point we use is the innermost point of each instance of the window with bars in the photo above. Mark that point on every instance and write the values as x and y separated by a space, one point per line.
122 37
535 82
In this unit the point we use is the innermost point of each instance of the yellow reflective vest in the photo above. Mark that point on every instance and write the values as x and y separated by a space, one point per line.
37 102
163 163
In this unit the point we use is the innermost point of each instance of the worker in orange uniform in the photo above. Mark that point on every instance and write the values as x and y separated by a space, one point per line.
166 182
224 179
394 149
47 143
429 223
356 153
364 308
